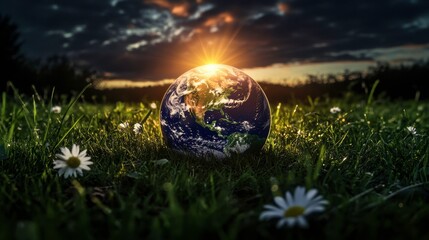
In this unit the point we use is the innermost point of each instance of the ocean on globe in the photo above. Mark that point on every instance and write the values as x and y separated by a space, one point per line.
215 110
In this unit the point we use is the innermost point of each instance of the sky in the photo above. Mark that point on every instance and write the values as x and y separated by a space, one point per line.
155 41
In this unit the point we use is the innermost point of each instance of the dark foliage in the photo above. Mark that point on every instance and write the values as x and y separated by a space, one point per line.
64 75
395 82
40 75
14 65
403 81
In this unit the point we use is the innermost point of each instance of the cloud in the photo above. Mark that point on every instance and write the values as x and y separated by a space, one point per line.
180 9
400 53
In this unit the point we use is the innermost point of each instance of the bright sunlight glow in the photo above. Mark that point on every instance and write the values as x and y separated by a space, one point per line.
210 68
213 48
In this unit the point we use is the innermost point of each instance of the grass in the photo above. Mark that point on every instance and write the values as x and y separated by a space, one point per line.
362 160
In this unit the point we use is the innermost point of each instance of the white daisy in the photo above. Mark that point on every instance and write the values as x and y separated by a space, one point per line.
137 128
412 130
152 105
56 109
334 110
123 125
71 162
292 209
161 162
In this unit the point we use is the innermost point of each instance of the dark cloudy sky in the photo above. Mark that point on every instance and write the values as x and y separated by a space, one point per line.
160 39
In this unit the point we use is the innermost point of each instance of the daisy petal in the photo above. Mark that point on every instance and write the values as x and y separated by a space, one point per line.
85 167
300 196
290 221
75 150
85 159
86 163
320 201
59 164
272 207
313 209
66 152
311 194
289 199
270 214
82 154
315 200
69 171
281 223
63 157
302 222
61 171
280 202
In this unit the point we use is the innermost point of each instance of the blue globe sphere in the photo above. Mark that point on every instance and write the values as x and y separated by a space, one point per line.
215 110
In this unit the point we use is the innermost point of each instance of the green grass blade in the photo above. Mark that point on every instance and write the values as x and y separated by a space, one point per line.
67 133
371 93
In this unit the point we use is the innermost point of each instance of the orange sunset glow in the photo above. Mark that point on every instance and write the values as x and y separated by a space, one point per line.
177 9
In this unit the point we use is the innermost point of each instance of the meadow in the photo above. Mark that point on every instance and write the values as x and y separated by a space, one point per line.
369 160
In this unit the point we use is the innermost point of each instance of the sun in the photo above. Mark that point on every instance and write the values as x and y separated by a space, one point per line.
210 68
212 48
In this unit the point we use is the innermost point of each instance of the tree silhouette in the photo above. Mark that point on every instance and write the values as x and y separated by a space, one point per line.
26 75
60 72
9 41
14 65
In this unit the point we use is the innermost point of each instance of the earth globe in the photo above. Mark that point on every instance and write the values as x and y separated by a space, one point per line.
215 110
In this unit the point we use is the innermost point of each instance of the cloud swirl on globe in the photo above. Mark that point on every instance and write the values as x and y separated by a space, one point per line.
215 110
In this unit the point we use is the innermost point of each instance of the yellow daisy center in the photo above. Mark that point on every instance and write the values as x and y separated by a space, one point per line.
73 162
294 211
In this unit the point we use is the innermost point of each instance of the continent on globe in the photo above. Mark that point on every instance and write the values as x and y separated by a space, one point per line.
215 110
